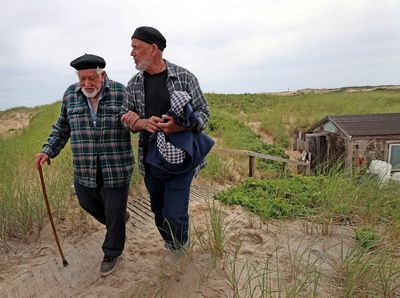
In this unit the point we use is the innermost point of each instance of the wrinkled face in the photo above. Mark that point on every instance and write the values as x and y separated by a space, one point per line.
142 54
90 82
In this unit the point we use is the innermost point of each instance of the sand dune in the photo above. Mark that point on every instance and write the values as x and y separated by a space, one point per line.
283 250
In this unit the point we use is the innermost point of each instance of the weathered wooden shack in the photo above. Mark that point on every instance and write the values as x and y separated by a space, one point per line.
357 139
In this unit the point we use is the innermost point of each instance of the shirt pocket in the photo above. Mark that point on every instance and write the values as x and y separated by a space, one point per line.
77 118
112 117
75 111
113 110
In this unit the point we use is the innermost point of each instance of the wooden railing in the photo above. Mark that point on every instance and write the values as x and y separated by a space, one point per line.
252 155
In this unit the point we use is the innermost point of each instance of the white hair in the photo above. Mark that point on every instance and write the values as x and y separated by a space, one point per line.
98 70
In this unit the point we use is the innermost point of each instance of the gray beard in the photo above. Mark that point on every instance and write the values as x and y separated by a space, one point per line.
142 66
90 94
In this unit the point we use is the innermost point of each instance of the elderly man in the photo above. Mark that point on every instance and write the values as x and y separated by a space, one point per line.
148 99
101 147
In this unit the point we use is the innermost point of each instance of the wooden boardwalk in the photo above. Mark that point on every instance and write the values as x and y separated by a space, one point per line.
51 279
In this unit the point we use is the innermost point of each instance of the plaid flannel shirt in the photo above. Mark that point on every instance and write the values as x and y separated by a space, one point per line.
178 79
108 139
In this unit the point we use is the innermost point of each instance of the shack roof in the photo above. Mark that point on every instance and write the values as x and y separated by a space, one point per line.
364 125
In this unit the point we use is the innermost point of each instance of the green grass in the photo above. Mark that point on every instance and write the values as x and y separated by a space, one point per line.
369 268
367 237
337 197
361 273
22 209
327 198
231 133
278 198
281 116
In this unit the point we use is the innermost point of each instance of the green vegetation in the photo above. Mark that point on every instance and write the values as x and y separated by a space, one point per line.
360 273
21 206
281 116
231 133
22 210
369 269
336 198
278 198
367 236
328 198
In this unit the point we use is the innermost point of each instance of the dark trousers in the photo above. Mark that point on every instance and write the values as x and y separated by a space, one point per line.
169 199
108 206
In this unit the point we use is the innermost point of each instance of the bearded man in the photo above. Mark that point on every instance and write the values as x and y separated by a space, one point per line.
101 147
149 108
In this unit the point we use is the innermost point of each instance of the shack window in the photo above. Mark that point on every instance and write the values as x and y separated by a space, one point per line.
329 126
394 156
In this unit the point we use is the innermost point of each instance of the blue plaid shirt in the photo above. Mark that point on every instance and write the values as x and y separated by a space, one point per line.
108 139
178 79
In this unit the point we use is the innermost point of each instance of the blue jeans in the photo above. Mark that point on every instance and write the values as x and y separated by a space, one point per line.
169 199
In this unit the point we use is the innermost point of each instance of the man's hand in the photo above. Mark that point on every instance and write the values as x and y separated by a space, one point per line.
169 126
130 118
151 124
41 158
135 123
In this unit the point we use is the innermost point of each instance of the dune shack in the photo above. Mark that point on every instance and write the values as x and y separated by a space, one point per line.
357 139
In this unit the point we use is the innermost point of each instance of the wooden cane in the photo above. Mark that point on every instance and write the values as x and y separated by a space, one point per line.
64 261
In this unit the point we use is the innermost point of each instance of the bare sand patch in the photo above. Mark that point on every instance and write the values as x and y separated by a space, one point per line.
255 126
14 120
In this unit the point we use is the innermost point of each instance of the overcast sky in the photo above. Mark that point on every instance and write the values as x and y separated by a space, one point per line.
232 46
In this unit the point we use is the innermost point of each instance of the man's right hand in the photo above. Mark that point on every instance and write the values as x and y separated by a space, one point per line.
151 124
41 158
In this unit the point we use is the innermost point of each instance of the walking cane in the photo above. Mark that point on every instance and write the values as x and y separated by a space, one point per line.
64 261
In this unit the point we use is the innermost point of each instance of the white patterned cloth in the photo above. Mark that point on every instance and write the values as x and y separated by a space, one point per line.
172 154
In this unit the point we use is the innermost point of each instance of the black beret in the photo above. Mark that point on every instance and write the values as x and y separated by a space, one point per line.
88 61
150 35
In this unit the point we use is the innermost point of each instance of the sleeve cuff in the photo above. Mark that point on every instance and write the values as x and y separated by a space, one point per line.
48 151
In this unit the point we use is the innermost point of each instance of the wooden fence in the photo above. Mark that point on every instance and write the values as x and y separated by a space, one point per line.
252 155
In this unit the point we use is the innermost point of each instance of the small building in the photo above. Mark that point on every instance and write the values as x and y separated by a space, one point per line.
357 139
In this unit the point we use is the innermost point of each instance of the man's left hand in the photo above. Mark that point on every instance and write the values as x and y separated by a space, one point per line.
169 125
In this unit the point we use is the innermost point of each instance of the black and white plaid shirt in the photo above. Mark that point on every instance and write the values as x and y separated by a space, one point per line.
178 79
172 154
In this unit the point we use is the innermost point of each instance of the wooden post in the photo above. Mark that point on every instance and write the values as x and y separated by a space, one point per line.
308 166
349 156
285 169
251 166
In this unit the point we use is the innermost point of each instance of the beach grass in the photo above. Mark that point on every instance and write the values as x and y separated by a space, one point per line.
328 198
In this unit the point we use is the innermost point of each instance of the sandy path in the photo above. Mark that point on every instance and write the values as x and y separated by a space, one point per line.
149 270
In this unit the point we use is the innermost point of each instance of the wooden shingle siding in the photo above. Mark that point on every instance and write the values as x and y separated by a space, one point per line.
357 139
